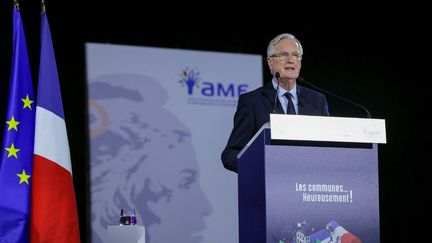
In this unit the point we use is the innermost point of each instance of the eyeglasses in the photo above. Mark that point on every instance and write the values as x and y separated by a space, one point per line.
283 55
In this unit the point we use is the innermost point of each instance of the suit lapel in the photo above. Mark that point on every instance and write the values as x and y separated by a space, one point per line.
305 106
302 109
268 92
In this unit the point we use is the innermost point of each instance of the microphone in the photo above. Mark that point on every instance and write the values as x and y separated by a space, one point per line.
301 80
275 108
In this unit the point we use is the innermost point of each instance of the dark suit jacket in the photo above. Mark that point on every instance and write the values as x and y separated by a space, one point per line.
253 111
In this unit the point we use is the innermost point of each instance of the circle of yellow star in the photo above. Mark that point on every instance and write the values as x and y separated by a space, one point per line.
27 102
12 124
12 151
23 177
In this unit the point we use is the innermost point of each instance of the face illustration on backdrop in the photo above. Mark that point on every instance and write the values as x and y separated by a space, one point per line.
142 157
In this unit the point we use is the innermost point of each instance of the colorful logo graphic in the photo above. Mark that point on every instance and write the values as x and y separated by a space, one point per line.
304 233
190 78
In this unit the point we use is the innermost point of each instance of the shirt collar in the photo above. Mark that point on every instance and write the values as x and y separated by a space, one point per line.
282 91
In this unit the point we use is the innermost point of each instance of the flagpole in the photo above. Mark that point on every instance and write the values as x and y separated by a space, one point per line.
43 6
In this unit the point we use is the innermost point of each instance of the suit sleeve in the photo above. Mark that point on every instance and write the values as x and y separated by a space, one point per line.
243 131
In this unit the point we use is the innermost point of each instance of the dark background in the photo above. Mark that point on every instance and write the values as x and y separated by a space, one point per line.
363 54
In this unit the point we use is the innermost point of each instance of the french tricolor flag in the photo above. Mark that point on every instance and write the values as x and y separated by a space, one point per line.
54 215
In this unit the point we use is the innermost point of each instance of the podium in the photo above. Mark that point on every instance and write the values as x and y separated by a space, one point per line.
311 179
126 234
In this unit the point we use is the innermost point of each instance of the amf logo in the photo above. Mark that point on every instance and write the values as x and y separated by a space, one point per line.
190 78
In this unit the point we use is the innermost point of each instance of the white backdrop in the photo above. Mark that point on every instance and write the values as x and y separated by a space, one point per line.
159 119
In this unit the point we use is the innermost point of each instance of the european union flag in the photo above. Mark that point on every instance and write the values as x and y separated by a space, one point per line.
16 162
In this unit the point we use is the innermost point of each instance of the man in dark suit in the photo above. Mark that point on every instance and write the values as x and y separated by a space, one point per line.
282 95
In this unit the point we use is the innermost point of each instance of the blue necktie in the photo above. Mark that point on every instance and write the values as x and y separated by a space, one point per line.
290 107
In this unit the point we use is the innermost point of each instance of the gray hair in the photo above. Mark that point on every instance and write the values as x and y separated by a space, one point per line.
277 39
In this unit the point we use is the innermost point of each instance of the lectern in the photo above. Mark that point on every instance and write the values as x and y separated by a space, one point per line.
126 234
311 179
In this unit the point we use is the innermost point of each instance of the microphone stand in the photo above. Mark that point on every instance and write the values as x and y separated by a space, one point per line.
301 80
275 108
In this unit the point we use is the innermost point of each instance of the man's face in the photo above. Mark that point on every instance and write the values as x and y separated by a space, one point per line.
286 60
